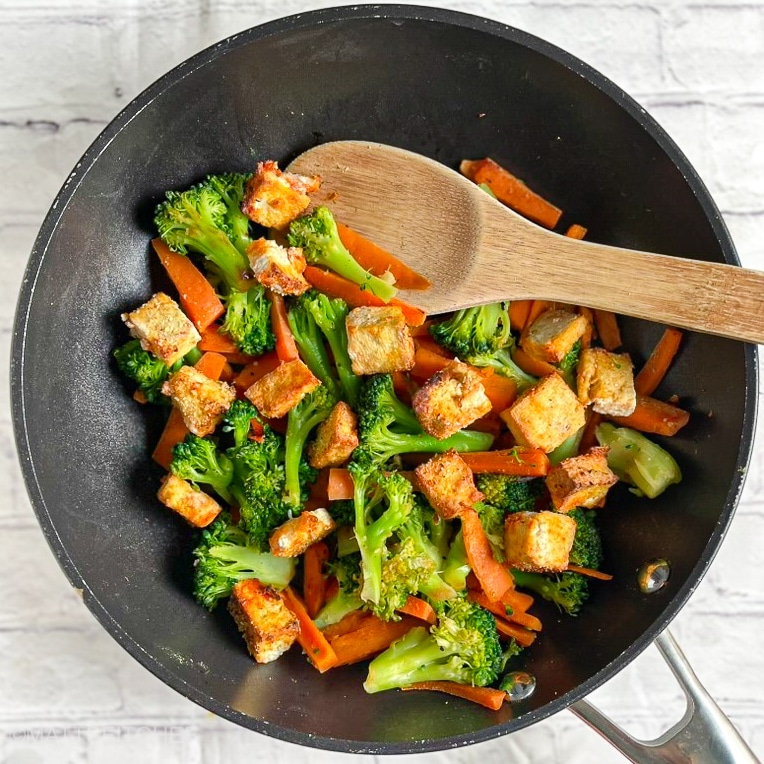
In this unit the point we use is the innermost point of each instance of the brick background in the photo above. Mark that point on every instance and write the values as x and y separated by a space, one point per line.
68 693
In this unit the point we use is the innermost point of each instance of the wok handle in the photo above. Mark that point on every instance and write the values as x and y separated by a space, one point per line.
704 735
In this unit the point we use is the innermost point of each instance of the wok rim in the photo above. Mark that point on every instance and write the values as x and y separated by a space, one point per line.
58 209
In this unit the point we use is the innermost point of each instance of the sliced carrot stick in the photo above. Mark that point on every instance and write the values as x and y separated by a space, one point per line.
589 439
521 461
527 620
416 607
423 330
349 622
427 362
588 336
256 369
591 572
524 637
313 580
657 365
196 294
536 309
512 191
608 329
518 313
517 601
340 485
484 696
494 578
335 286
372 636
311 639
576 231
500 390
504 624
213 339
427 341
531 365
379 261
654 416
286 347
211 364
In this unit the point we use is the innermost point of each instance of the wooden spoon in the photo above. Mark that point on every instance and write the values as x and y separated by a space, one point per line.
475 250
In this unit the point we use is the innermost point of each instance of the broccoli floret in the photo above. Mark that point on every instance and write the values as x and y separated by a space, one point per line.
463 646
638 460
319 238
475 331
342 511
492 520
387 427
456 566
248 320
231 187
145 369
347 571
198 460
569 364
587 543
569 591
224 556
501 362
510 493
238 420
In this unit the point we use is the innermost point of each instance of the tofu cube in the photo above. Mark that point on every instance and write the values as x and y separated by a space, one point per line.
553 334
606 381
379 341
278 268
279 391
268 626
581 481
197 507
162 328
274 198
450 400
448 484
201 401
294 536
336 438
538 541
545 415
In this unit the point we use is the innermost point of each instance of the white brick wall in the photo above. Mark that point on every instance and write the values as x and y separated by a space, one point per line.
68 693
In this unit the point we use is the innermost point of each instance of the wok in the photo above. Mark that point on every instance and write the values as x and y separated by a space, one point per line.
449 86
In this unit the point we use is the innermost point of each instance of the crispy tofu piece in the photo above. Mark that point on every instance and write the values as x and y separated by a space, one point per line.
162 328
268 626
201 401
553 334
294 536
274 198
581 481
448 484
279 391
538 541
379 341
278 268
450 400
545 415
606 381
336 438
197 507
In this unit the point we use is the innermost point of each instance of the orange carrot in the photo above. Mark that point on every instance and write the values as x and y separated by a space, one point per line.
213 339
591 572
196 295
427 362
311 639
524 637
608 329
255 370
416 607
500 390
517 601
340 484
286 347
423 330
527 620
654 416
336 286
588 336
371 637
427 341
211 364
351 621
536 308
531 365
379 261
589 439
521 633
313 581
494 578
657 365
576 231
518 313
484 696
512 191
521 461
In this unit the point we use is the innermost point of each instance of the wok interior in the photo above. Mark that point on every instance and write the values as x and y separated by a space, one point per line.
448 87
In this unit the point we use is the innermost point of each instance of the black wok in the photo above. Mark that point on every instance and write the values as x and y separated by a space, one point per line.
446 85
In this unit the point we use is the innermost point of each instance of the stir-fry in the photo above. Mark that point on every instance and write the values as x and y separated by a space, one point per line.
370 483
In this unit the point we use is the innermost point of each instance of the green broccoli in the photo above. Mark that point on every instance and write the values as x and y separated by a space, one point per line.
198 460
223 557
463 646
502 362
569 364
492 520
586 551
231 186
248 320
456 566
480 330
145 369
238 420
319 238
510 493
569 591
347 570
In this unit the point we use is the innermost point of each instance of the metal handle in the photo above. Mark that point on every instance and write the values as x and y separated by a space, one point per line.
704 735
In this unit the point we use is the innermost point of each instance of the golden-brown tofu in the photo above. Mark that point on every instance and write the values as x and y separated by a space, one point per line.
278 268
451 399
448 484
268 626
294 536
581 481
379 340
538 541
279 391
162 328
336 438
201 401
553 334
197 507
274 198
545 415
606 381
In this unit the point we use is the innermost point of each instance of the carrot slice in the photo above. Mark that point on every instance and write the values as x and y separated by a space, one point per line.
214 340
537 307
351 621
430 343
335 286
484 696
591 572
313 581
255 370
379 261
196 294
589 439
524 637
531 365
340 485
588 336
211 364
518 313
526 620
608 329
371 637
286 347
657 365
320 653
654 416
576 231
521 461
416 607
494 578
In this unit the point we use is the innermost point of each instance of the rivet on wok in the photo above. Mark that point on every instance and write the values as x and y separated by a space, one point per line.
653 576
518 685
